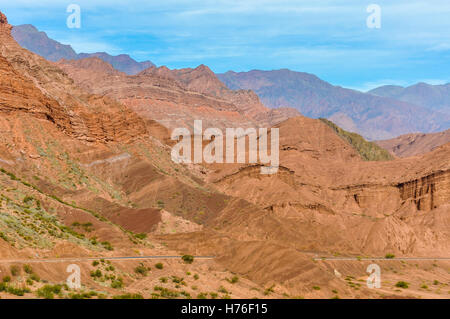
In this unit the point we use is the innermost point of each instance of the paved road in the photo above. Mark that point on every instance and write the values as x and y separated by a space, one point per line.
378 259
81 259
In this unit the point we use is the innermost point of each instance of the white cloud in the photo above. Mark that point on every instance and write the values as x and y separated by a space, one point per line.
83 45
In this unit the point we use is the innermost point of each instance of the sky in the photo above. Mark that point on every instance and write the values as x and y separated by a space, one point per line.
330 39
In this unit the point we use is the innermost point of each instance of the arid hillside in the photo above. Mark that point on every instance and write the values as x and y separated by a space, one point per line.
415 144
86 178
175 98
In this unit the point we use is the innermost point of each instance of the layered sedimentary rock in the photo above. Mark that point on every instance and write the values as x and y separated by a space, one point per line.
176 98
415 144
36 86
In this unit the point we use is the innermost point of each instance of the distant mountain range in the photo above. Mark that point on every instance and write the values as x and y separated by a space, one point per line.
383 113
38 42
374 117
435 97
415 144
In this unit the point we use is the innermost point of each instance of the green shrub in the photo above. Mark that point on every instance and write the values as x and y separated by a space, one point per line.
96 274
141 269
269 290
178 280
141 236
222 290
35 277
233 279
17 291
107 245
166 293
186 294
213 295
48 291
116 284
4 237
6 279
316 287
402 284
14 270
202 295
163 279
129 296
160 203
84 295
95 263
28 199
188 259
389 256
27 269
159 266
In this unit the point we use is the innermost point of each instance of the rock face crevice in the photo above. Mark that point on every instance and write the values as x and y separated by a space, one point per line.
427 192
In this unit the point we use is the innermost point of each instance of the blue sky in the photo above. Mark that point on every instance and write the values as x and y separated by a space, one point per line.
326 38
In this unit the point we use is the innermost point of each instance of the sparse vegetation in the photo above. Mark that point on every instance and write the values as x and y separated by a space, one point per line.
27 269
163 279
233 279
159 266
202 295
96 274
269 290
389 256
35 277
107 245
48 291
188 259
141 236
160 203
117 283
129 296
213 295
402 284
368 151
141 270
86 295
15 270
166 292
223 290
